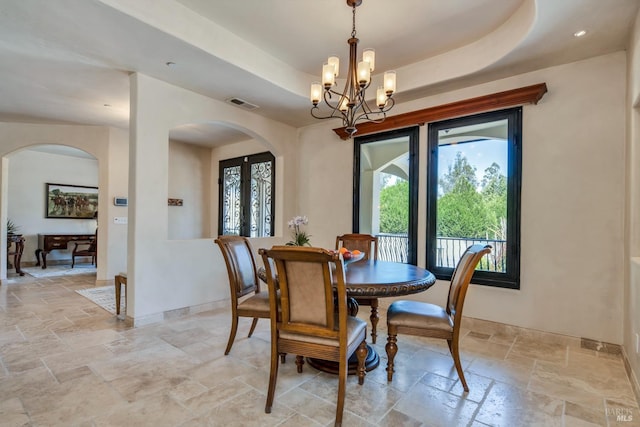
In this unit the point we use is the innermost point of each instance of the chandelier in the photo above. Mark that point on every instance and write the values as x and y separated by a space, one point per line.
351 105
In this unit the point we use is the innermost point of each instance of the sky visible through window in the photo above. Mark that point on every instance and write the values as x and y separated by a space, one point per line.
480 154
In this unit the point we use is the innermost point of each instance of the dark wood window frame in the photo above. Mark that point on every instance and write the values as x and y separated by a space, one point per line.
495 101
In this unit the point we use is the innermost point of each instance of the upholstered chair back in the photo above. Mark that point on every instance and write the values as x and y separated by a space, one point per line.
461 277
241 265
306 278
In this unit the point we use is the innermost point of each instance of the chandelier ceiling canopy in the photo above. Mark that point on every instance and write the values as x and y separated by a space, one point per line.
350 104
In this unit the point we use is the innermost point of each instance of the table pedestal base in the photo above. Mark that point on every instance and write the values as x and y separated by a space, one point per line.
371 362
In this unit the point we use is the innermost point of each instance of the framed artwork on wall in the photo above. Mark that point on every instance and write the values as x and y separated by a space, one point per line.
71 201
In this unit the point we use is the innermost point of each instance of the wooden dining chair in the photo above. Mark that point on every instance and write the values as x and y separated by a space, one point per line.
311 322
432 321
246 298
368 245
87 248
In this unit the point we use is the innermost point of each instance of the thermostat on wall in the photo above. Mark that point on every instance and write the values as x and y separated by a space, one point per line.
120 201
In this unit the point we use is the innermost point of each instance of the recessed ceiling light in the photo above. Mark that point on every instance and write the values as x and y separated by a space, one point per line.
170 64
580 33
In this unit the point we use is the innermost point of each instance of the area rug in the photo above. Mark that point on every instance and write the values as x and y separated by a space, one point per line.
59 270
105 297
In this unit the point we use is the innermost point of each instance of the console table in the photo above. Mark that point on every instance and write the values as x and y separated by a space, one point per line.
15 246
50 242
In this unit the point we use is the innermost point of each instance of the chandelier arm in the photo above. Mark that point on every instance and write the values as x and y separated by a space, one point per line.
315 112
327 99
370 115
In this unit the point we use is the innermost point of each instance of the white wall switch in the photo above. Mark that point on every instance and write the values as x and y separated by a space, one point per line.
120 220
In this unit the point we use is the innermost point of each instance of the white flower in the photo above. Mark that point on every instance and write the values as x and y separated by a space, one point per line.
297 221
300 238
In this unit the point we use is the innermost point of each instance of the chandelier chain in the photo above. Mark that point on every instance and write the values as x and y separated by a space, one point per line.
353 28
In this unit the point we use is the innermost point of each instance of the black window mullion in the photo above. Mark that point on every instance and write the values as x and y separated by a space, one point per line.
245 191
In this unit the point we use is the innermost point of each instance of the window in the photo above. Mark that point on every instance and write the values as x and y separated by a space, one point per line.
385 198
246 198
473 194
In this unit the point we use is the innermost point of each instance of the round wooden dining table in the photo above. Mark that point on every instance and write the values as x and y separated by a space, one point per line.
377 279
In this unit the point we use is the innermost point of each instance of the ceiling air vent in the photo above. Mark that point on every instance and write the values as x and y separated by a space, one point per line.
242 103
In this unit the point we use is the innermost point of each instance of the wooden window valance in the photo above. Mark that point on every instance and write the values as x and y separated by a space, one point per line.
510 98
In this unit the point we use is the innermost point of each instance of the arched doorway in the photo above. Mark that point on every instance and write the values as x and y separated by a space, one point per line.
30 171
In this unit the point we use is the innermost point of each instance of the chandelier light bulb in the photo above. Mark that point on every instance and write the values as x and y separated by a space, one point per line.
344 104
335 61
369 55
381 97
328 75
364 73
390 82
316 92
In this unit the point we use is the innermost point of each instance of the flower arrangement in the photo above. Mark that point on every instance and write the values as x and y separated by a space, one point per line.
300 238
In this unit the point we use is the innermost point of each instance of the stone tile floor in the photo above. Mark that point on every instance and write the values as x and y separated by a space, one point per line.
64 361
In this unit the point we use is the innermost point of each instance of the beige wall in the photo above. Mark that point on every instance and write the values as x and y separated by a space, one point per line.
572 200
190 180
632 289
168 274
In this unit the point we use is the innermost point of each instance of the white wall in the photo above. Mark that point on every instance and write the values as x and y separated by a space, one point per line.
109 147
572 200
189 180
28 173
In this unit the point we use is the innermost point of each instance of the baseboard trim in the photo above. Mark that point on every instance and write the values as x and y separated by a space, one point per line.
176 313
632 376
600 346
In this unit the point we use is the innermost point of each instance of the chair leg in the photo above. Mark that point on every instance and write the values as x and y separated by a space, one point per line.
342 386
299 363
118 290
455 352
253 326
391 349
283 357
232 334
361 354
273 377
374 319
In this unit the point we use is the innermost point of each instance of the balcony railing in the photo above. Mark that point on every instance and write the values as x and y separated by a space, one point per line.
395 247
450 250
